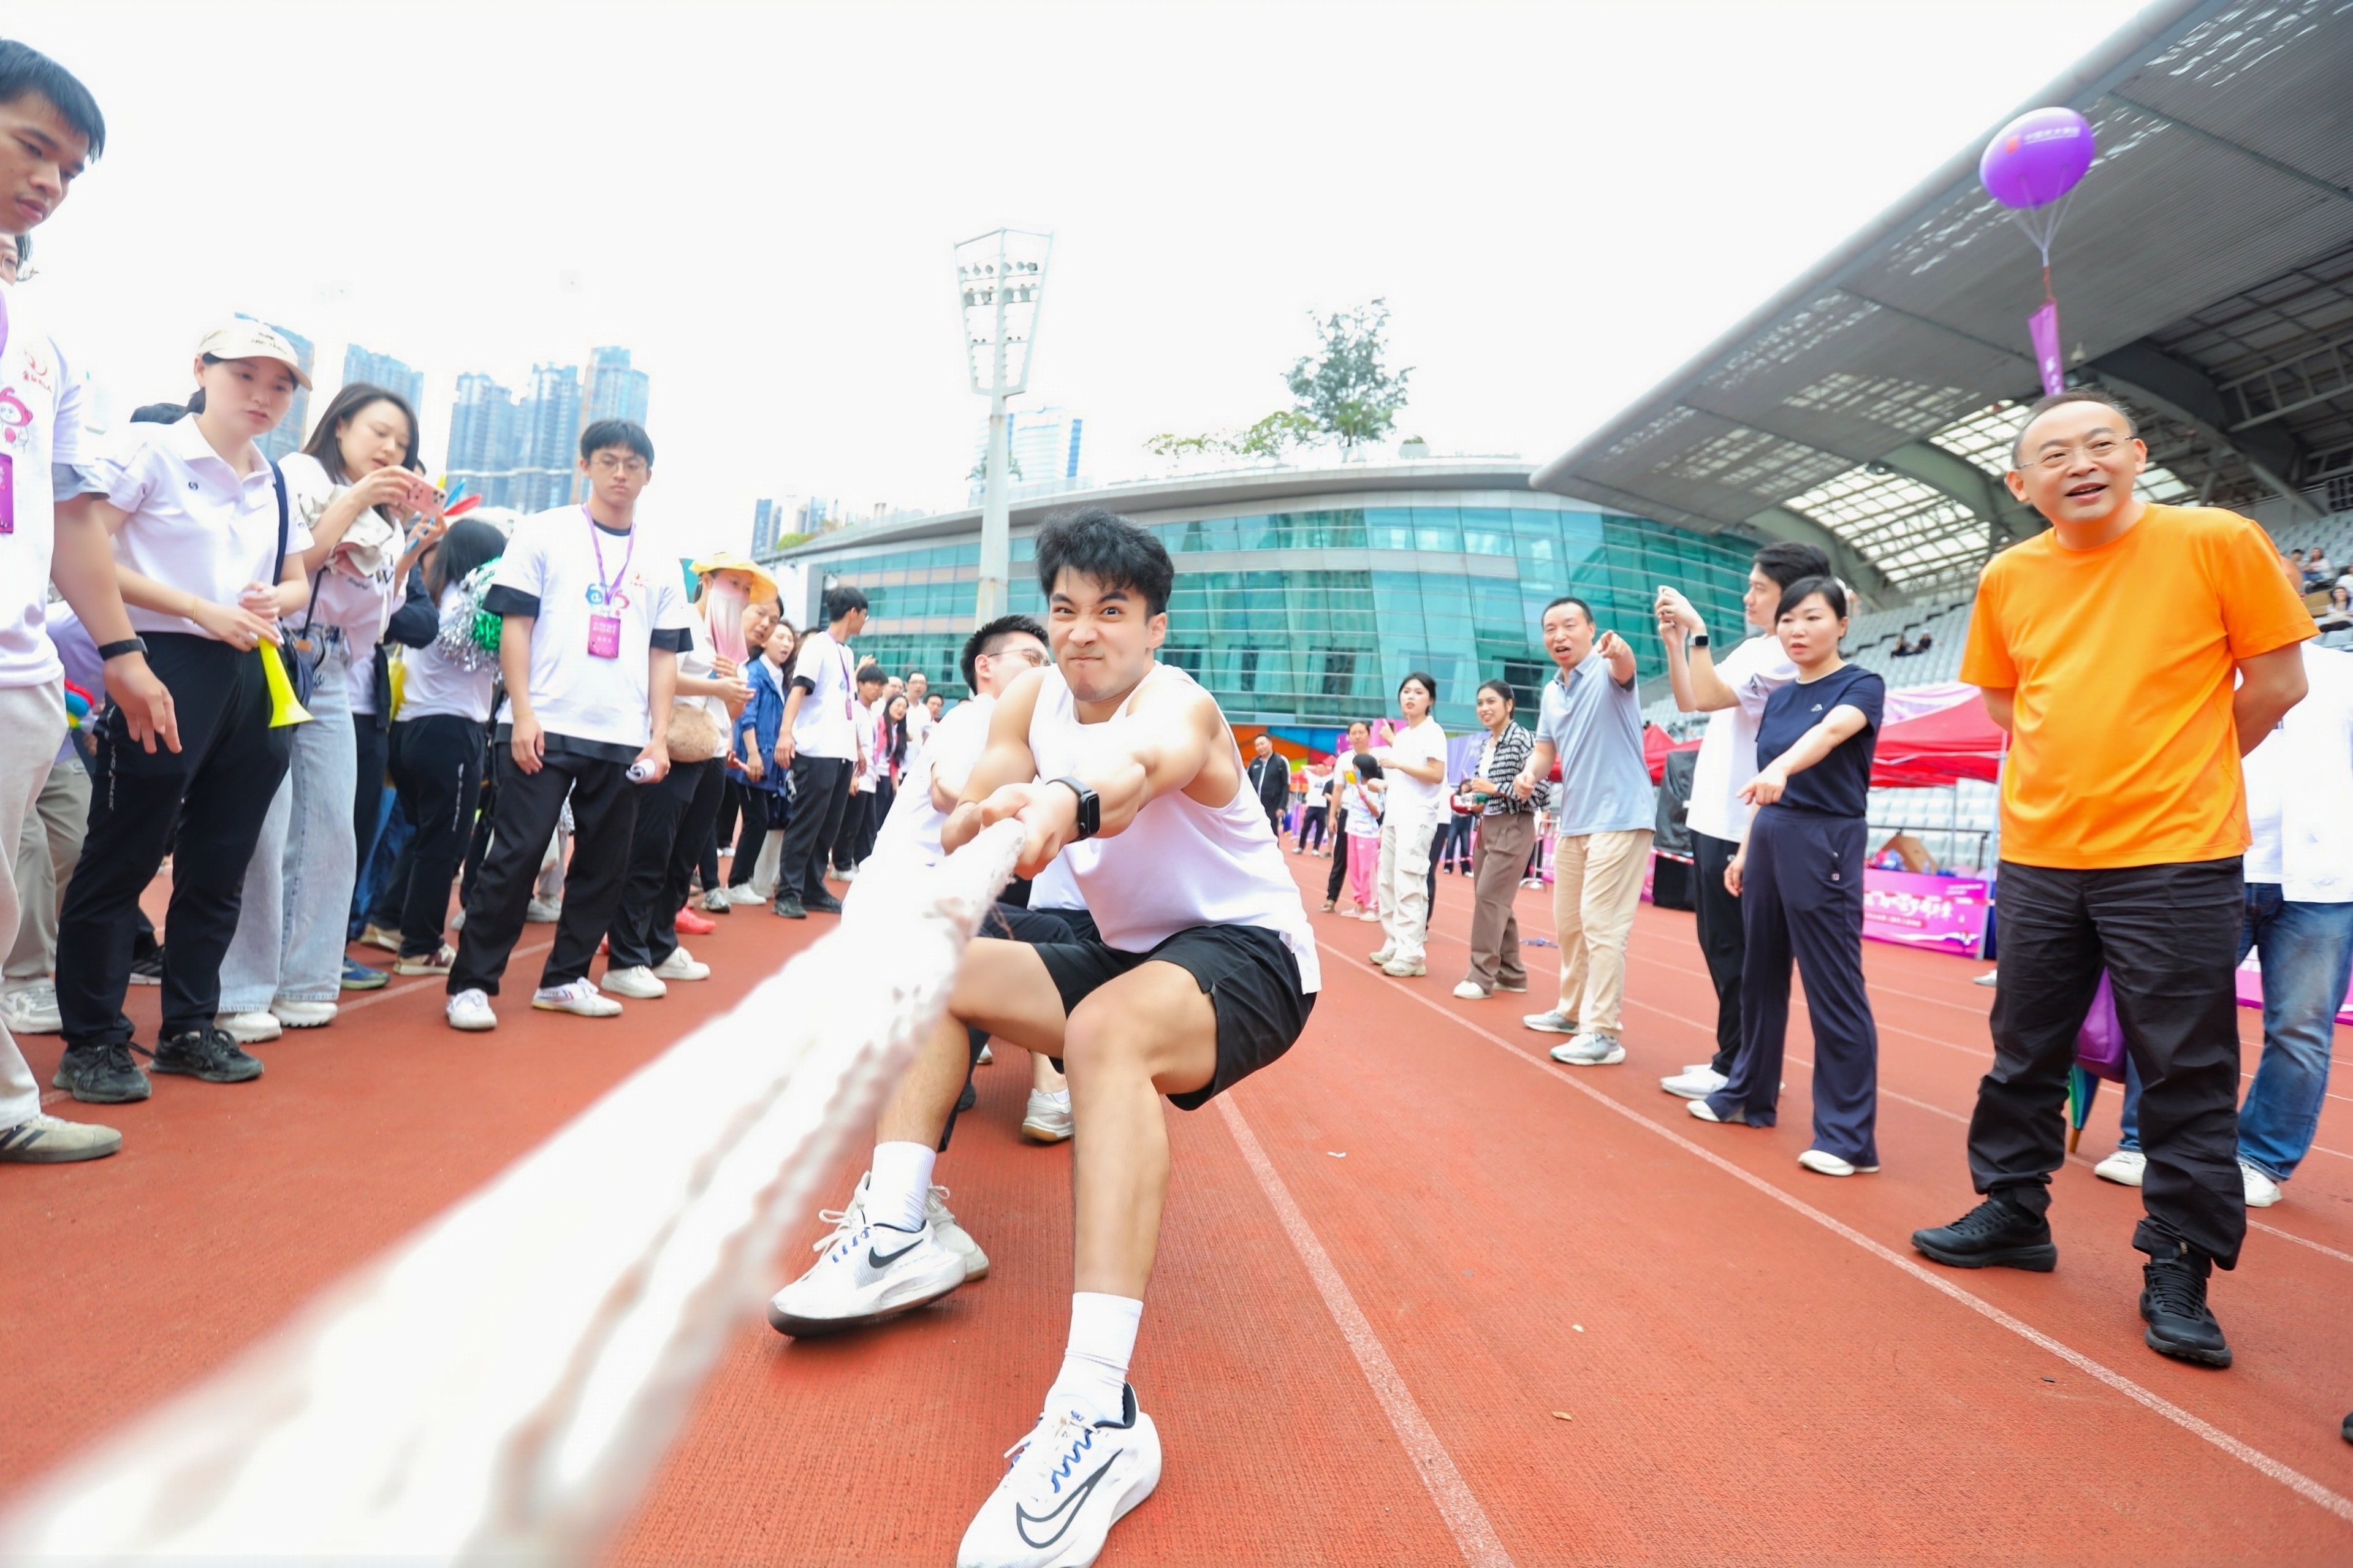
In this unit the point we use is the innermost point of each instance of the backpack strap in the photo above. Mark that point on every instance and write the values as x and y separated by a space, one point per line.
277 478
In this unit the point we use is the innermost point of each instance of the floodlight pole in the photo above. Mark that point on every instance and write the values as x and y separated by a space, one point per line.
991 282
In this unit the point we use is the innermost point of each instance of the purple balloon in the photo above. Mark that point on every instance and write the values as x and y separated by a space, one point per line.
2037 158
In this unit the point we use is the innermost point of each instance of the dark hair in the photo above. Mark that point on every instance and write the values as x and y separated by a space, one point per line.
872 675
841 601
163 413
466 546
1429 682
1367 767
1100 544
2042 405
784 671
898 731
617 433
1502 689
1786 560
990 640
1833 594
24 69
326 437
1583 609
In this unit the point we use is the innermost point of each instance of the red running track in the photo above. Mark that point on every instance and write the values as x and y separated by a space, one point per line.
1392 1265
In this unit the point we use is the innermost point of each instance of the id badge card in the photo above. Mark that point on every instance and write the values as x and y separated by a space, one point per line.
8 493
604 636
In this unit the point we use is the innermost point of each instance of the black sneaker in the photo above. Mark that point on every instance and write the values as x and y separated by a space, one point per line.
2173 1303
210 1054
825 903
1992 1234
969 1098
148 971
787 907
101 1075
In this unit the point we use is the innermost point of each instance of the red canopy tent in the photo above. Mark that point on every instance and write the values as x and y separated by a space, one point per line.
1935 748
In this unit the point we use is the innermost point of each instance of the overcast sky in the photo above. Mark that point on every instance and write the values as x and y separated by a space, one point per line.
1560 202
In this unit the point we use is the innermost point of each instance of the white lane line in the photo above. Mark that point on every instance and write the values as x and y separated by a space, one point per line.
1456 1504
2295 1480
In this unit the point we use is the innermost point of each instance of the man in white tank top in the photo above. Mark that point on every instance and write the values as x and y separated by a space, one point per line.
1205 971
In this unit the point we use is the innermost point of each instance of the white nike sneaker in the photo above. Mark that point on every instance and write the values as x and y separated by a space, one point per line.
1590 1050
948 1234
1695 1083
1049 1116
866 1274
1071 1480
2124 1168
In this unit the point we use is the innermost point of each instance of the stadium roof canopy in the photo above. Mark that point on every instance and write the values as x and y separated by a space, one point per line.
2204 276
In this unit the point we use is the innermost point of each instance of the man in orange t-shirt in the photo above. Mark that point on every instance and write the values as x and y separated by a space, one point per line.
2133 652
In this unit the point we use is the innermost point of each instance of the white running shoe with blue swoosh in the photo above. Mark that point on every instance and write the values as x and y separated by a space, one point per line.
864 1274
1072 1479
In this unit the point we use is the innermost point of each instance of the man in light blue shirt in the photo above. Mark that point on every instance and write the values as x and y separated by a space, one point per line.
1592 722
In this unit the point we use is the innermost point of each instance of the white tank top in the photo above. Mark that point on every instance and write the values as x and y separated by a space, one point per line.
1179 863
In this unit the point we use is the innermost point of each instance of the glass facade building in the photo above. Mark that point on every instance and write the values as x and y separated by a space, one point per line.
1312 613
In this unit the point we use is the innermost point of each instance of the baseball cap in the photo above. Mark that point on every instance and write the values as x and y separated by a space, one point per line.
243 339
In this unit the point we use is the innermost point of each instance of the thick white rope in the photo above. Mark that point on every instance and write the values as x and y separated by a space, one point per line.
502 1387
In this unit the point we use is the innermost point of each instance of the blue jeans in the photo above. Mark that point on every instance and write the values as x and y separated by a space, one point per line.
2307 955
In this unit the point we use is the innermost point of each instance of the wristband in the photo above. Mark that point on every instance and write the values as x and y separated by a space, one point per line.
117 649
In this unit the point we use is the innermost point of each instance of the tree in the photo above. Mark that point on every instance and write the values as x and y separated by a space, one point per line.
1346 394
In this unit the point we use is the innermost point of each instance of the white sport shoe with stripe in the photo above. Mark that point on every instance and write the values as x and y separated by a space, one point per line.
865 1274
1071 1480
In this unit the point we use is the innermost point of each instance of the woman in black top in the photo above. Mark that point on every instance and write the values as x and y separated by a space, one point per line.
1799 877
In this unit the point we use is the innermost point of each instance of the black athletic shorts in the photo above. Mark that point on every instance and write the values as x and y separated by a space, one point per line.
1249 976
1016 923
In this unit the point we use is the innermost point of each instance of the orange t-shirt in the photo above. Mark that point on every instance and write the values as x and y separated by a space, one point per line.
2123 750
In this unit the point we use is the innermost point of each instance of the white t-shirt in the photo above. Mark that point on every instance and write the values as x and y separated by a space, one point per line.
551 570
870 731
827 724
41 404
194 523
914 822
919 725
434 683
1727 756
1364 810
1409 799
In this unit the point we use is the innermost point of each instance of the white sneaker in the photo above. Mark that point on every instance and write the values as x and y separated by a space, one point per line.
986 1057
1704 1112
471 1010
435 962
950 1235
581 997
2262 1191
1695 1083
1380 955
1824 1163
743 896
542 911
457 921
1589 1050
635 982
1071 1480
867 1273
1987 977
2124 1168
1048 1119
250 1028
1471 991
303 1014
32 1010
681 965
1404 967
1553 1022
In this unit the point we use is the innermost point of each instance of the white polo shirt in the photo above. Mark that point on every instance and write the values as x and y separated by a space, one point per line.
194 523
41 404
827 724
1727 756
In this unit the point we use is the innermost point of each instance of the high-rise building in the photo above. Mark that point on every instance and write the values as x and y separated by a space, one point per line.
613 392
767 519
383 370
547 437
285 437
482 447
1043 444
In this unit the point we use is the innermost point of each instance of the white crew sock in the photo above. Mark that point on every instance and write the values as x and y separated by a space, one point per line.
1094 1367
902 1181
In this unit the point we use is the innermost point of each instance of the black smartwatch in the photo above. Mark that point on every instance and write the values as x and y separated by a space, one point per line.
117 649
1090 806
1699 640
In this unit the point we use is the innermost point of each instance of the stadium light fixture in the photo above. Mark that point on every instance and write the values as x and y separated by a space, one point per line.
1000 286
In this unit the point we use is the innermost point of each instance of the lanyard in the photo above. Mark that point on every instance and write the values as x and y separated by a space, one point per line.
3 323
598 546
843 654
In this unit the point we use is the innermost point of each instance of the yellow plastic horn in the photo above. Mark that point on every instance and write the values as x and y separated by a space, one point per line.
283 708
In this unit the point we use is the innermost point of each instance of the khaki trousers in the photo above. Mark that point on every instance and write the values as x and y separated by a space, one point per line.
1597 882
1401 881
1503 857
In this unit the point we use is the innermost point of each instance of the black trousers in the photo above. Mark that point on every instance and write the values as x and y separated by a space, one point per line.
604 821
216 790
1722 940
674 817
2167 937
1801 898
373 745
819 800
722 827
1339 877
850 835
1311 827
437 767
750 836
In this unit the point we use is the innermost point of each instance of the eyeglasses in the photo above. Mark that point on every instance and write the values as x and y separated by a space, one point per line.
2099 449
609 463
1034 657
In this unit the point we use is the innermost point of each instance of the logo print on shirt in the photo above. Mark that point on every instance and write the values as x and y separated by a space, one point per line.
14 414
1818 707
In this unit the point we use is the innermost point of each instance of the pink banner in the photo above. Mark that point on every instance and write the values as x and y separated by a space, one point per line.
2251 989
1942 914
2043 326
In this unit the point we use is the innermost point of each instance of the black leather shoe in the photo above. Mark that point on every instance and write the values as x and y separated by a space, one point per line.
785 907
101 1075
2173 1302
1993 1234
824 904
209 1055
